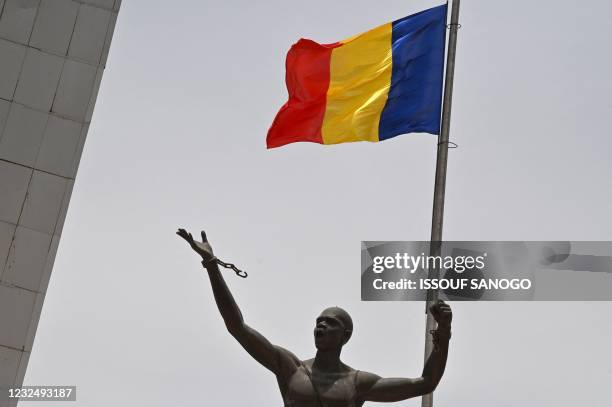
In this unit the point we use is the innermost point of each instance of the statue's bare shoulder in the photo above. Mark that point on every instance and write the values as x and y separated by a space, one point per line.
288 362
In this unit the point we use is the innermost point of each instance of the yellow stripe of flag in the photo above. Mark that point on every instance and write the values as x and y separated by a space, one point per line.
360 78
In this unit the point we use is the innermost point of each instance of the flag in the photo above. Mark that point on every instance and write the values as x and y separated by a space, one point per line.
370 87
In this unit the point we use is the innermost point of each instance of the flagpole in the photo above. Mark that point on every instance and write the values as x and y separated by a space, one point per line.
440 184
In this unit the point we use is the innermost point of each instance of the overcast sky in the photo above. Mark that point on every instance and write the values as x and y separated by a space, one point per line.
178 140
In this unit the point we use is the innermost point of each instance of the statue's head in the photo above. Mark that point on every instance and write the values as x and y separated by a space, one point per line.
333 329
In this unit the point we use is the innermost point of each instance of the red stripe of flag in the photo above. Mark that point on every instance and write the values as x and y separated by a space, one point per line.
307 79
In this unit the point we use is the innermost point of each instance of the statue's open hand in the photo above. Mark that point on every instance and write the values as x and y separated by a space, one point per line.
442 313
202 248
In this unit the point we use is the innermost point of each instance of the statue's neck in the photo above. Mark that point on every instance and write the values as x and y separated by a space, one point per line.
328 361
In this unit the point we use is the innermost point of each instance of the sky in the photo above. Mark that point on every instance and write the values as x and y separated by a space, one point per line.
178 140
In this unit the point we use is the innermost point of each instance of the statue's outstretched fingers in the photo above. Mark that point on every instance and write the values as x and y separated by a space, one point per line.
182 233
204 239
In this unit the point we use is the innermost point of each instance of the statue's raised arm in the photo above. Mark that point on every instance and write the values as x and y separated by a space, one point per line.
376 388
274 358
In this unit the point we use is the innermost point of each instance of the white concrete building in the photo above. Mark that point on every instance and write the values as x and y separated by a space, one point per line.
52 57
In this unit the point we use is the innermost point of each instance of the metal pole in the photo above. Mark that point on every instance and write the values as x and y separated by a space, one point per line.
440 185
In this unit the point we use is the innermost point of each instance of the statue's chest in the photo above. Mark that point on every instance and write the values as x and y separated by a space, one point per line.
335 391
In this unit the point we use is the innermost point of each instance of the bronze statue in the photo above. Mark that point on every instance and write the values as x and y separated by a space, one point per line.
323 381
